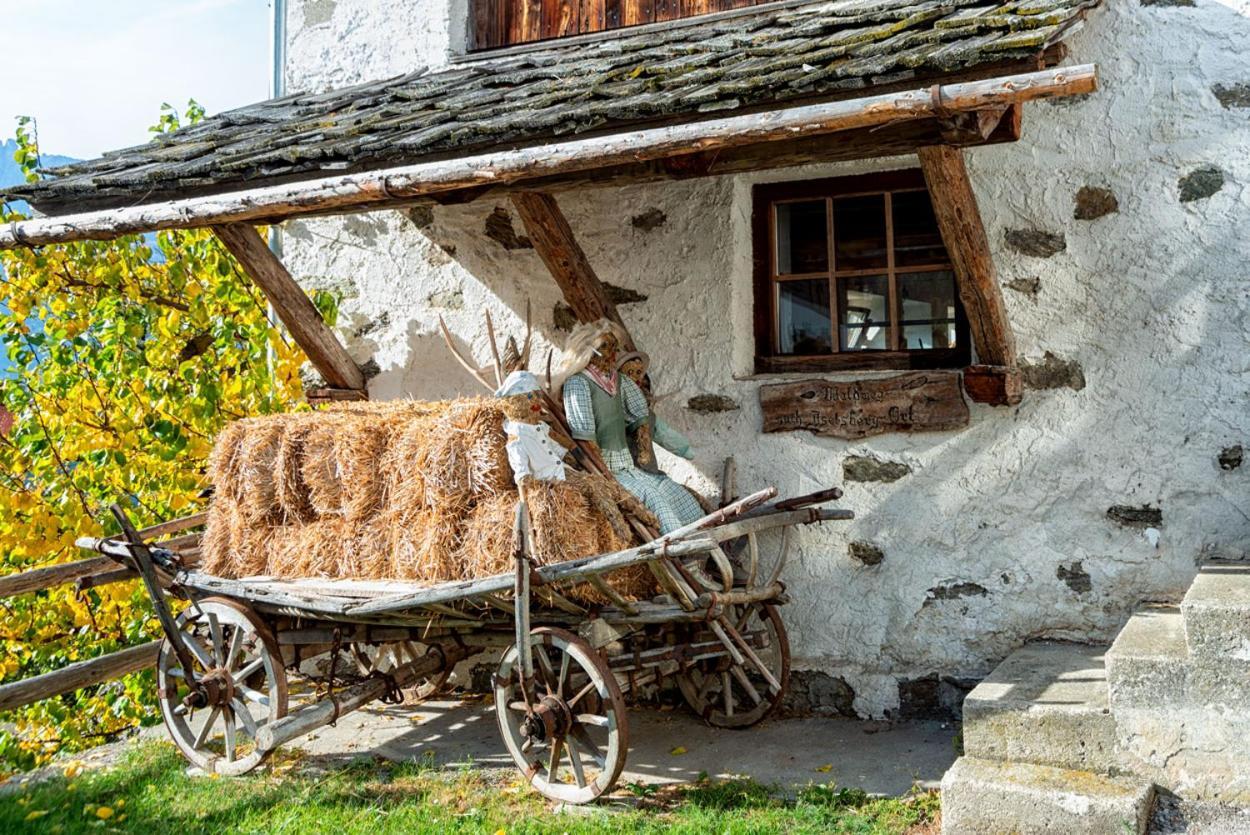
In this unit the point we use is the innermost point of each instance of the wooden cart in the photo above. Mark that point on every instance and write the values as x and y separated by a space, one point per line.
560 686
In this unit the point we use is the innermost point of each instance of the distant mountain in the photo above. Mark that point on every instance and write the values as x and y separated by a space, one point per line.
11 173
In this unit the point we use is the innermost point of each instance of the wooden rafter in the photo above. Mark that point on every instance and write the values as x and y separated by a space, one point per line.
388 187
955 205
292 306
555 243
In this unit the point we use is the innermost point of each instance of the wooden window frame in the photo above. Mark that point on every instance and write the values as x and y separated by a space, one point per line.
768 360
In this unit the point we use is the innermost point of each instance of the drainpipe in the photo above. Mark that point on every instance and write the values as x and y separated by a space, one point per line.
277 88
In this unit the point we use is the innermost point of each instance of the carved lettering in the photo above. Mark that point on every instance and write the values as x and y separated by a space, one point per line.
917 402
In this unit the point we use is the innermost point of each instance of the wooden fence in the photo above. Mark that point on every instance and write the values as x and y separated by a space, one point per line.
92 572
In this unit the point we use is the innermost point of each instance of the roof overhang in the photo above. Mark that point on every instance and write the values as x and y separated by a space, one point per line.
966 113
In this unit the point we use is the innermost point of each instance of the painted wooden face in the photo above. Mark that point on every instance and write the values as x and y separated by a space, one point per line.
605 356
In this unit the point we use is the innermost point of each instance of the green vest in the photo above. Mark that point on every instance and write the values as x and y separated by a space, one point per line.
609 409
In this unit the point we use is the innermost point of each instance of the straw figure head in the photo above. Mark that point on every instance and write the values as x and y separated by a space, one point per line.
591 343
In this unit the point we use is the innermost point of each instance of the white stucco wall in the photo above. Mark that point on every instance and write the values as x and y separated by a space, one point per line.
1153 303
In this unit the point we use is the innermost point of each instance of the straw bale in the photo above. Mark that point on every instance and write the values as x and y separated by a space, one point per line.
314 549
561 519
357 454
215 543
486 546
424 546
258 454
223 462
289 485
319 470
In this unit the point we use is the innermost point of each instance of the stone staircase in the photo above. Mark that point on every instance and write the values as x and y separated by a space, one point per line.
1064 738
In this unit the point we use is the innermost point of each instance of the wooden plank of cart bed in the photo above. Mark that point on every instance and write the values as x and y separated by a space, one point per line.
559 572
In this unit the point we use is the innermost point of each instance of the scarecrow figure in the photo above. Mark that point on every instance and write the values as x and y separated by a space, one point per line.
603 407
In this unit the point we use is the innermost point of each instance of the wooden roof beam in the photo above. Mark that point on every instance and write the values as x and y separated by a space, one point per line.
553 240
292 306
959 220
373 189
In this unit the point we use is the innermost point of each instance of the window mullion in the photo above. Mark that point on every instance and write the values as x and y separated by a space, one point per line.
835 321
895 305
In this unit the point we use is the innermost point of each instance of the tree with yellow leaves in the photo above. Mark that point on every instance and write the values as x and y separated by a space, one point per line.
125 358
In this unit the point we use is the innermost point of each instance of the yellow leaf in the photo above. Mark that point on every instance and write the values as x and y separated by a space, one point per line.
104 813
36 815
825 769
74 767
679 750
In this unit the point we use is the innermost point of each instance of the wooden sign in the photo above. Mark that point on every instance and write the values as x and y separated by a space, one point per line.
921 401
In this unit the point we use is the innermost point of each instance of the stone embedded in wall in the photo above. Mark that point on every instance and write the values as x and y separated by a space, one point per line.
811 692
711 403
955 591
1182 3
649 221
1035 242
421 215
1025 286
1231 457
865 553
1136 517
932 697
1051 372
449 299
310 378
1093 202
564 319
499 229
866 468
1232 95
382 321
1200 183
317 12
1075 576
370 369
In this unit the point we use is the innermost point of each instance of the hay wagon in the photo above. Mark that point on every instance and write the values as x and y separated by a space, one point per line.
561 684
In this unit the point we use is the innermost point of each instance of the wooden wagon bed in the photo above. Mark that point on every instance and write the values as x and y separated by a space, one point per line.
714 629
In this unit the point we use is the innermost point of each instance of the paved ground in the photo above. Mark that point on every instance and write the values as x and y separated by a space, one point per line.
878 758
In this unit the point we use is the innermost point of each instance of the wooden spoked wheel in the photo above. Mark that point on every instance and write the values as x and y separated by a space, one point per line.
731 695
234 650
566 727
386 657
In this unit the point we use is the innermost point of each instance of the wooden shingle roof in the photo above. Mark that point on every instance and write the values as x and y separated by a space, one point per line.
710 67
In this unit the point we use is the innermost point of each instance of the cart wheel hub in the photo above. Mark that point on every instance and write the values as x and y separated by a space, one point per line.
218 686
550 719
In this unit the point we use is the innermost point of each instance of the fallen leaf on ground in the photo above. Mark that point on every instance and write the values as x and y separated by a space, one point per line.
680 749
825 769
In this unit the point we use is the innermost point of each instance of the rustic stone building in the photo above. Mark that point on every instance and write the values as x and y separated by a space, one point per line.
1074 447
1117 229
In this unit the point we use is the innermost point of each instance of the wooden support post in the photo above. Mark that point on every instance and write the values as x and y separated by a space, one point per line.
79 675
553 240
955 205
292 305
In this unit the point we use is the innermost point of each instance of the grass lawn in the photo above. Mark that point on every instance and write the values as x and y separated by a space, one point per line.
149 792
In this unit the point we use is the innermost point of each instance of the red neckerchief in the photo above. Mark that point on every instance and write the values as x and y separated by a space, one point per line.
608 384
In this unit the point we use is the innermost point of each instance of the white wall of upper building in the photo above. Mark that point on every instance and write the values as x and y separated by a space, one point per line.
336 43
1000 532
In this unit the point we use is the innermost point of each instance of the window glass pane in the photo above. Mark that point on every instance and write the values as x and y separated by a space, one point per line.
803 325
928 301
863 302
859 232
917 240
802 238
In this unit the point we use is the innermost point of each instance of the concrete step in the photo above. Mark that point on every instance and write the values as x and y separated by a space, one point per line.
1150 667
985 797
1046 704
1217 612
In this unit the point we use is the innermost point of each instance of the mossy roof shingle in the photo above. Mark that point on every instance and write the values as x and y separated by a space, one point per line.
711 66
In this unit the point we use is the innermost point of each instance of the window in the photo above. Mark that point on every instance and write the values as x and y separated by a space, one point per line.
851 273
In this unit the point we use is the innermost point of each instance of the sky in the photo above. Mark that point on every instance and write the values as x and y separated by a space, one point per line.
94 73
